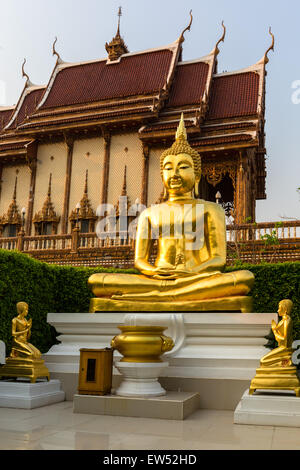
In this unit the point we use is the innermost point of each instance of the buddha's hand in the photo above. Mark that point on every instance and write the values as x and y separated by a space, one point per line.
169 274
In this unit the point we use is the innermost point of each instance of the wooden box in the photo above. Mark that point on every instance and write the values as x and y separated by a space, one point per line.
95 371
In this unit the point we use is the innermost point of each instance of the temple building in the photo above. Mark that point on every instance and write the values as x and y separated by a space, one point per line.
96 130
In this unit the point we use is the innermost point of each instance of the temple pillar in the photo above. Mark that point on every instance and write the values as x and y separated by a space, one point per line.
69 141
144 194
31 158
243 193
105 176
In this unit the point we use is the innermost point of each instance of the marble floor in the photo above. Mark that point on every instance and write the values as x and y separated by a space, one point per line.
56 427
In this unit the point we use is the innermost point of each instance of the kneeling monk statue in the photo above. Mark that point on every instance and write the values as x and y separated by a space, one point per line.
191 250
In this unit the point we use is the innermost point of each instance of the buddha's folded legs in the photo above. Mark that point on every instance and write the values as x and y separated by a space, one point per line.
106 284
24 350
276 356
197 288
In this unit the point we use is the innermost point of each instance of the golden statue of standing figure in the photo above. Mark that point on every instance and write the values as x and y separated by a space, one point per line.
276 371
191 237
25 359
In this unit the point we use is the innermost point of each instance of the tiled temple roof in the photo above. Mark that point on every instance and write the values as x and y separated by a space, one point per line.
5 114
98 81
26 105
189 84
234 95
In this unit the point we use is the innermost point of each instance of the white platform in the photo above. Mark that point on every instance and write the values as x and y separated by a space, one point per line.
215 354
269 408
173 405
23 394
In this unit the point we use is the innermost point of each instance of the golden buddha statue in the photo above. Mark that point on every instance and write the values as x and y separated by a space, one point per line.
276 371
191 236
25 359
21 332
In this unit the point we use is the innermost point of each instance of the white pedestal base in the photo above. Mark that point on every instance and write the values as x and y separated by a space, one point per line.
269 408
215 353
23 394
140 379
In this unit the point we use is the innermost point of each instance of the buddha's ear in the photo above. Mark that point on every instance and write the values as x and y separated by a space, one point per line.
196 187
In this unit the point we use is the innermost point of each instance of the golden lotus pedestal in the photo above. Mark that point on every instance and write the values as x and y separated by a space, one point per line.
225 304
276 378
17 367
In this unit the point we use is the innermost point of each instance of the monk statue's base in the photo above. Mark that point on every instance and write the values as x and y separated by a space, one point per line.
226 304
276 378
18 367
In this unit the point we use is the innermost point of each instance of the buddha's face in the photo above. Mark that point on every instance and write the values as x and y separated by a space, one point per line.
178 174
23 310
282 309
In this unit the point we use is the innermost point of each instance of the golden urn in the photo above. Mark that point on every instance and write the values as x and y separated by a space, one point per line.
142 343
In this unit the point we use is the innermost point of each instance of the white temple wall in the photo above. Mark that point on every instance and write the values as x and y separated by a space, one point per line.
125 149
88 154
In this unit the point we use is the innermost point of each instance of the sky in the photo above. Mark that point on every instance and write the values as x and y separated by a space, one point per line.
28 29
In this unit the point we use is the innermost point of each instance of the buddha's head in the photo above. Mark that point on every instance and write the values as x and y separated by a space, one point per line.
285 307
180 165
22 308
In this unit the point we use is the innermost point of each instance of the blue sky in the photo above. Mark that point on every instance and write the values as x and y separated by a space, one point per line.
28 28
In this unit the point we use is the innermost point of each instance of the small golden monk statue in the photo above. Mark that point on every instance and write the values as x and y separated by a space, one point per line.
191 250
276 371
25 359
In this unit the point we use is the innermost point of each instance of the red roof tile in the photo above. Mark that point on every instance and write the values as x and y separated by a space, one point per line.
28 106
189 84
4 117
133 75
234 95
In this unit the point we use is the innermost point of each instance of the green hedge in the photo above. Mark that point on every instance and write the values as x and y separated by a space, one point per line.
46 288
50 288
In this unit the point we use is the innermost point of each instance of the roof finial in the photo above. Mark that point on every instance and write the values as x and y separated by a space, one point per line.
181 37
221 38
24 74
54 52
119 15
266 59
117 46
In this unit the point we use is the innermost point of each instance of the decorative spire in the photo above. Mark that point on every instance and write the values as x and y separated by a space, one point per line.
124 189
15 190
188 28
13 215
49 186
117 46
221 39
265 58
85 211
24 74
86 183
54 52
